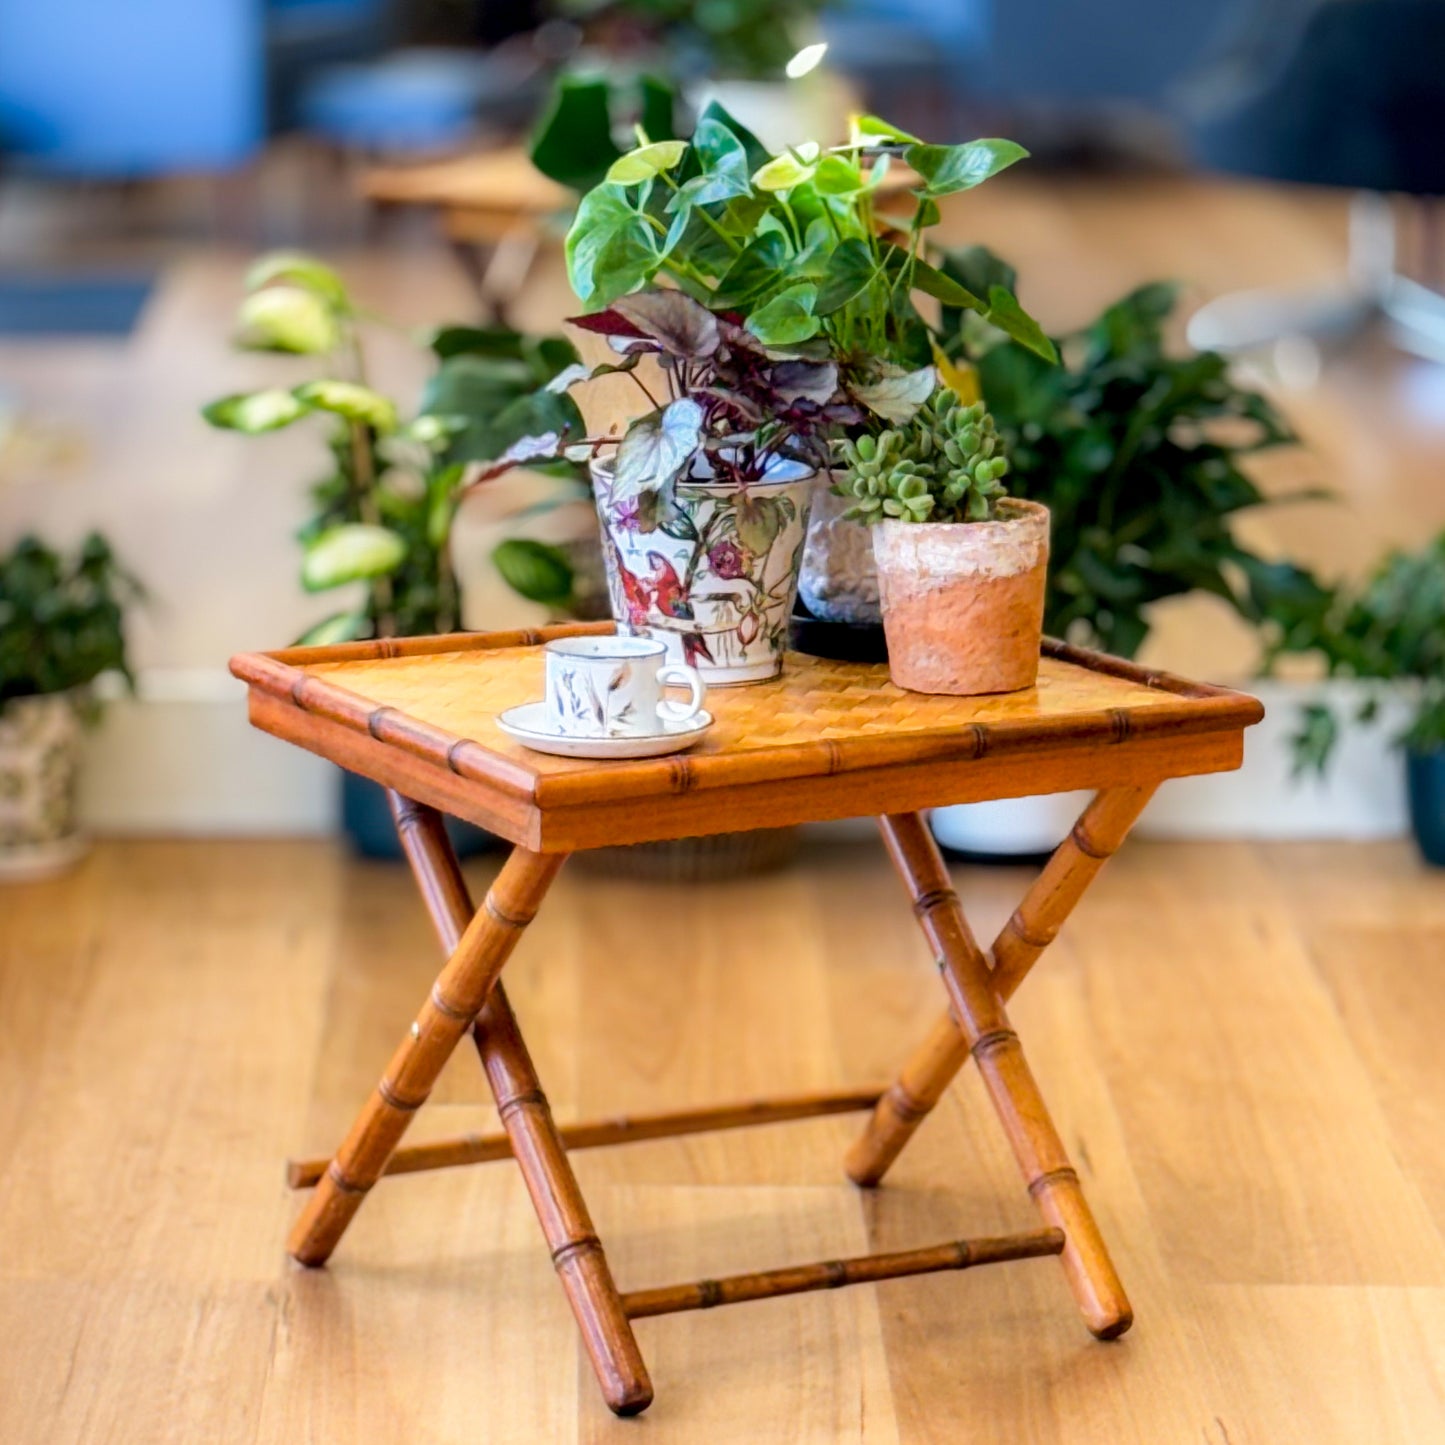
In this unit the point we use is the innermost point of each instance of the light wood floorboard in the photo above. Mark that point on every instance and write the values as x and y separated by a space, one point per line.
1240 1044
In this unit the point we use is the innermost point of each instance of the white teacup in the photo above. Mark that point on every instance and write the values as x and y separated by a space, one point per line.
611 687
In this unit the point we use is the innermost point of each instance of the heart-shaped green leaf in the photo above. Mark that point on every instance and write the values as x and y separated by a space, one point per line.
610 247
298 269
788 318
646 162
947 169
756 272
849 271
657 448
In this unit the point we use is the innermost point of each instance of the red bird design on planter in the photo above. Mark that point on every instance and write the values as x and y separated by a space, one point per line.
636 593
667 589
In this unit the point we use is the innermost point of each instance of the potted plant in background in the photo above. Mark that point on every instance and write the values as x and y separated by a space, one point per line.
961 564
1141 456
62 626
384 508
1391 631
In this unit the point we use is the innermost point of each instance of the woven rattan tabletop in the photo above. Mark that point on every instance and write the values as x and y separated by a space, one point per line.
436 700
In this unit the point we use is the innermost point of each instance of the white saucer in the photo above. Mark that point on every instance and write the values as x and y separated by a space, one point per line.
528 724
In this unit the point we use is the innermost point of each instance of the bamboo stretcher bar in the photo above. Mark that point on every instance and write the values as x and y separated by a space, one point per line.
601 1133
835 1274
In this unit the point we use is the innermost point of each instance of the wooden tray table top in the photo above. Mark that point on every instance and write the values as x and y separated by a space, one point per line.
824 740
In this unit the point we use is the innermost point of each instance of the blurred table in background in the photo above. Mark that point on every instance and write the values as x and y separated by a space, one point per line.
493 207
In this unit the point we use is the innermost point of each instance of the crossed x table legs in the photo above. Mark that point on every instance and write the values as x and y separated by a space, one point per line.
468 996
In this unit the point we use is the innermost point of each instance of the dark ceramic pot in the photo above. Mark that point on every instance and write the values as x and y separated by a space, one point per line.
367 822
1425 775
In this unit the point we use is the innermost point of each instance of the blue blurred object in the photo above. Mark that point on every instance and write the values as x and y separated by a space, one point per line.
1331 93
1425 773
369 827
414 100
60 305
1347 93
99 88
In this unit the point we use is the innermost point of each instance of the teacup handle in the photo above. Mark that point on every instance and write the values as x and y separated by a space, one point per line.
679 674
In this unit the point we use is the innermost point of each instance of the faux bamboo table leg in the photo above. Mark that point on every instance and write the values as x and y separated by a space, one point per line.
990 1039
538 1149
456 997
1034 924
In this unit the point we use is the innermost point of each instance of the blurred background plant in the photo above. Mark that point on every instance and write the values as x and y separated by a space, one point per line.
1141 457
384 510
1390 631
62 619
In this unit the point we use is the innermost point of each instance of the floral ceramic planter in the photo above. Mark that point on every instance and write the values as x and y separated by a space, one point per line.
39 766
712 571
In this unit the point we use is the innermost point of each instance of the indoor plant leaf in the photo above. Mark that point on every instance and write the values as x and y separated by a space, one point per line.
253 412
298 269
657 448
678 323
287 318
789 169
535 570
610 247
353 552
849 271
946 169
646 162
897 395
351 400
573 144
788 318
870 130
756 272
339 627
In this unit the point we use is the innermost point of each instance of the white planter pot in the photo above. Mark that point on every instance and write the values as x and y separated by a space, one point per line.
1009 827
714 576
39 765
1362 795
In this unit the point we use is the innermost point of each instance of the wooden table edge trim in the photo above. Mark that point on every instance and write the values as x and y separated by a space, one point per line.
283 675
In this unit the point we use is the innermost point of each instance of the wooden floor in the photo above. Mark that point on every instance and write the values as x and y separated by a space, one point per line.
1241 1045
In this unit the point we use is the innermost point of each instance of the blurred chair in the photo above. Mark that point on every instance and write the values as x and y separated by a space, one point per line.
1346 93
102 89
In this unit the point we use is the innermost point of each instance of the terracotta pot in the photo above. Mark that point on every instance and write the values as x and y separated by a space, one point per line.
963 602
713 573
39 767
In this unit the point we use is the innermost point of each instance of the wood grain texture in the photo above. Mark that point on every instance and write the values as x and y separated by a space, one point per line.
1287 1288
824 740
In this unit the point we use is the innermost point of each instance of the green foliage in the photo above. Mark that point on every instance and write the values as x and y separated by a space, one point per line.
536 570
792 242
1390 630
1140 456
383 509
946 465
62 619
750 39
573 144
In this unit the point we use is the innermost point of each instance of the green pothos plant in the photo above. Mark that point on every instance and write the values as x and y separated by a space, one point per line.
383 507
806 248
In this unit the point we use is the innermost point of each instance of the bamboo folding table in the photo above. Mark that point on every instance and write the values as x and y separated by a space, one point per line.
825 740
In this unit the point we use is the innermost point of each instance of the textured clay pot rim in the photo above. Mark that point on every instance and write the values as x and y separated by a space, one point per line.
1024 510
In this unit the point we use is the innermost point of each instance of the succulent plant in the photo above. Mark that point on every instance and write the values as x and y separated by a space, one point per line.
946 465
